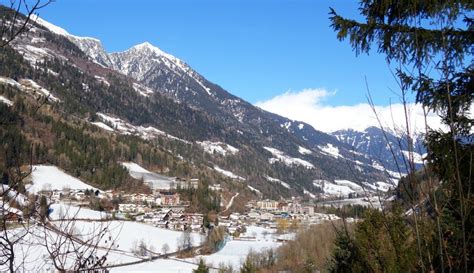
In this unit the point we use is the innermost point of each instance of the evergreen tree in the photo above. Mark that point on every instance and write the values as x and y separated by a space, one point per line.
202 268
345 256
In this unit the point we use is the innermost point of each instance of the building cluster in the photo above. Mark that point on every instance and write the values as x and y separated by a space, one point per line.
165 209
173 219
293 207
55 196
268 213
132 202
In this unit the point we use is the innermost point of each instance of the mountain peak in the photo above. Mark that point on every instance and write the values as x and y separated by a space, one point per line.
148 46
145 44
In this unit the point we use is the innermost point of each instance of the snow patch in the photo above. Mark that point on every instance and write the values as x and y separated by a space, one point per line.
31 87
217 147
102 125
330 150
304 151
353 186
67 211
102 80
390 173
6 101
334 189
11 82
254 190
309 193
228 173
379 186
33 54
417 158
154 180
125 128
142 90
287 160
275 180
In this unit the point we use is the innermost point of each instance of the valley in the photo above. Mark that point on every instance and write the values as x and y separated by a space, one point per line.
133 161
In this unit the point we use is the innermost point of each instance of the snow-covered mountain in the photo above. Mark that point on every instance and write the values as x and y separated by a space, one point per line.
385 148
157 70
147 92
92 47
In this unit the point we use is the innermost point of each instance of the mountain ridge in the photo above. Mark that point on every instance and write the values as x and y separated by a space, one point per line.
171 97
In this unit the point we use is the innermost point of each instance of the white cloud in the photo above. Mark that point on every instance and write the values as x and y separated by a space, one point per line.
308 106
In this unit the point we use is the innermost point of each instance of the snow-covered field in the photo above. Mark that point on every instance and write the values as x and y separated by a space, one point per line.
123 236
31 254
380 186
156 181
346 187
373 202
235 251
233 254
351 185
11 82
287 160
310 194
334 189
66 211
128 234
52 178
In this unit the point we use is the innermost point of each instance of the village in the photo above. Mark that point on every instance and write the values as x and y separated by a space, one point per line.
163 208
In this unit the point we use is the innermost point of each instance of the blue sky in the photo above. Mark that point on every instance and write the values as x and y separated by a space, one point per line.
256 49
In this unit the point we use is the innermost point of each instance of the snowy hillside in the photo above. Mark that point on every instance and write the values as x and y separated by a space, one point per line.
154 180
115 124
344 188
52 178
146 92
279 156
218 147
228 173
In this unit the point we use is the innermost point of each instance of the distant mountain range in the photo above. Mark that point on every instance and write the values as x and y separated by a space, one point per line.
146 92
387 149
